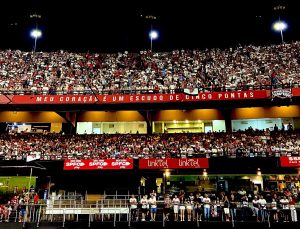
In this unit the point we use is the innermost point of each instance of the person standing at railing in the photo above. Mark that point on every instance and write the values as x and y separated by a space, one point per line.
214 208
274 210
36 198
255 207
22 210
207 202
175 203
153 207
198 210
145 204
167 206
226 208
292 203
245 208
182 208
133 208
232 206
7 213
285 207
189 208
262 205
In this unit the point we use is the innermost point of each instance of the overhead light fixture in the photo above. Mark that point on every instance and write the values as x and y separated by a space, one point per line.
167 173
258 172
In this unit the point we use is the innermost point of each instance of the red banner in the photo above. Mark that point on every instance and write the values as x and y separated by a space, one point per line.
54 99
5 99
138 98
295 91
91 164
234 95
290 161
173 163
141 98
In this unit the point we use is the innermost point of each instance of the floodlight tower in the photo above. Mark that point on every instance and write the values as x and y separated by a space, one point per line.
150 19
153 35
280 25
35 34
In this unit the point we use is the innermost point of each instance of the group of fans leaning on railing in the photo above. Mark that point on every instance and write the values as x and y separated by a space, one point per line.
240 206
237 68
14 207
250 143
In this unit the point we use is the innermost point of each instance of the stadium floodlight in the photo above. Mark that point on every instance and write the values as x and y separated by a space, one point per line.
36 34
280 26
153 34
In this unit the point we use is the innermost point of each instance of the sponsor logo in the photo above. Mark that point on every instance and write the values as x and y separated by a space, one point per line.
282 93
89 164
158 163
188 163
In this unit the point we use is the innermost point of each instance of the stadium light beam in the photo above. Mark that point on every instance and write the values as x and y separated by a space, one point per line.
35 34
280 26
153 34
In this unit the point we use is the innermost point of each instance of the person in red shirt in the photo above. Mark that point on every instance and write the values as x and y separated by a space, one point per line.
292 203
36 198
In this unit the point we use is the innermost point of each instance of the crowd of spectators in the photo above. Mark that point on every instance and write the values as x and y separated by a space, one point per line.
18 203
238 68
118 146
234 205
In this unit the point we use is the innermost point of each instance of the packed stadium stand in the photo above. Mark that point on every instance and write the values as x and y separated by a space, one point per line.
211 166
240 144
239 68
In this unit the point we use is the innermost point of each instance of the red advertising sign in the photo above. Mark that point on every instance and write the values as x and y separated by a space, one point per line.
54 99
5 99
173 163
295 91
290 161
234 95
90 164
141 98
138 98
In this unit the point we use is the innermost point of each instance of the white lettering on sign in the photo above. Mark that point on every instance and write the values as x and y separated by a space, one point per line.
158 163
188 163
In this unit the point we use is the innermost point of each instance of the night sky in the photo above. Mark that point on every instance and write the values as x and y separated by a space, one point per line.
111 26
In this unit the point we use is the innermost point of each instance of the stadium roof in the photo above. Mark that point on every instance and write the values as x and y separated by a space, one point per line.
110 26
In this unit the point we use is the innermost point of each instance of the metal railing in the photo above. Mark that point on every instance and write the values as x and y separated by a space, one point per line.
110 208
133 91
118 210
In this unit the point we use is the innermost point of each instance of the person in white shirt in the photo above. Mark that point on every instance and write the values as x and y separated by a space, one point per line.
256 207
206 200
133 208
153 207
274 210
285 206
175 203
189 206
262 203
182 208
144 203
